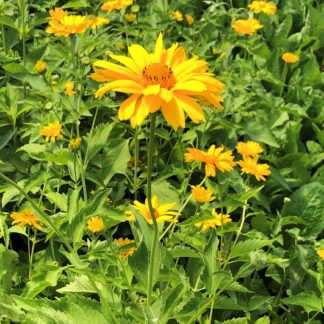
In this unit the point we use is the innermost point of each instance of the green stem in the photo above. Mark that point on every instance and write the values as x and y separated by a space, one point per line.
3 39
149 199
31 258
284 77
136 162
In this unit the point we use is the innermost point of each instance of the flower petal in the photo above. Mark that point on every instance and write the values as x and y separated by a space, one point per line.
140 56
127 108
190 106
173 114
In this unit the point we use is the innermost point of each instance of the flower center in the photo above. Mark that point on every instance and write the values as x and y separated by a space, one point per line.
158 73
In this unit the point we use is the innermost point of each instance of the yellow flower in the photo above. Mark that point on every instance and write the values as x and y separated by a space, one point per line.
202 194
189 19
213 159
61 24
130 17
74 143
98 21
290 57
268 8
40 66
165 79
177 15
249 149
163 213
250 166
51 131
95 224
116 4
69 88
320 253
216 220
26 217
125 241
246 26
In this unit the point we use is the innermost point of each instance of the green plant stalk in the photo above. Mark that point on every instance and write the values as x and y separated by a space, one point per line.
3 39
43 217
284 77
136 162
149 199
31 255
23 35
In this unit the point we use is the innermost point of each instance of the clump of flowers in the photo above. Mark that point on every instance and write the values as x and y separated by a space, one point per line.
98 21
95 224
246 26
111 5
214 159
52 131
177 15
249 149
189 19
163 213
69 88
74 143
215 221
202 194
165 79
124 242
268 8
290 57
40 66
26 217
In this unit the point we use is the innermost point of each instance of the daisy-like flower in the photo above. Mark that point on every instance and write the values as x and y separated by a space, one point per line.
111 5
26 217
125 241
290 57
40 66
177 15
61 24
246 26
214 159
250 166
95 224
249 149
202 194
130 17
320 253
74 143
98 21
163 213
189 19
69 88
215 221
268 8
52 131
165 79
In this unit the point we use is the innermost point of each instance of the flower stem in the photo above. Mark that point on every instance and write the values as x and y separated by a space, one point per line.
149 199
136 162
284 77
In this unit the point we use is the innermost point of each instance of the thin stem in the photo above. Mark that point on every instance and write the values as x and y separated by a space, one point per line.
284 77
149 199
32 255
136 157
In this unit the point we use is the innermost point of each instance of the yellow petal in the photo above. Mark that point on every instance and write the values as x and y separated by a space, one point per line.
140 113
128 62
158 49
193 110
152 89
140 56
121 71
166 95
173 114
127 108
153 102
191 85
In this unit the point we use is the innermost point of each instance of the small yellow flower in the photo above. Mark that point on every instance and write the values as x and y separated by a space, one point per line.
69 88
111 5
98 21
95 224
177 15
249 149
290 57
202 194
268 8
250 166
130 17
163 213
125 241
51 131
216 220
246 26
26 217
189 19
74 143
320 253
40 66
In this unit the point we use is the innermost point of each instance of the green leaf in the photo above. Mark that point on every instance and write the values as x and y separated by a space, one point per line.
80 284
4 139
282 32
244 247
58 199
223 302
4 20
8 261
307 300
263 320
9 311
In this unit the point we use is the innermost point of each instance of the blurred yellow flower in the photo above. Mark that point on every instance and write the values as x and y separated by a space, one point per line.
40 66
249 149
130 17
250 166
98 21
320 253
95 224
290 57
165 79
163 213
202 194
61 24
246 26
116 4
74 143
69 88
26 217
268 8
216 221
214 159
177 15
189 19
125 241
51 131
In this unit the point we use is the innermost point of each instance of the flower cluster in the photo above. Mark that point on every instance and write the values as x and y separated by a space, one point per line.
268 8
202 194
26 217
125 242
289 57
95 224
111 5
215 221
52 131
246 26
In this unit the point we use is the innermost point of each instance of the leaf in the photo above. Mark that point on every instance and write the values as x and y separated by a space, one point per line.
8 309
244 247
4 139
80 284
4 20
306 300
58 199
8 260
282 32
263 320
222 302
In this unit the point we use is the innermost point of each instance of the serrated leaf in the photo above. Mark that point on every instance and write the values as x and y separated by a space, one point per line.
58 199
80 284
308 301
244 247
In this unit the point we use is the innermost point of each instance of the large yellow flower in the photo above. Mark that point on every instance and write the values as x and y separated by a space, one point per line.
268 8
250 166
163 213
26 217
246 26
164 79
215 221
